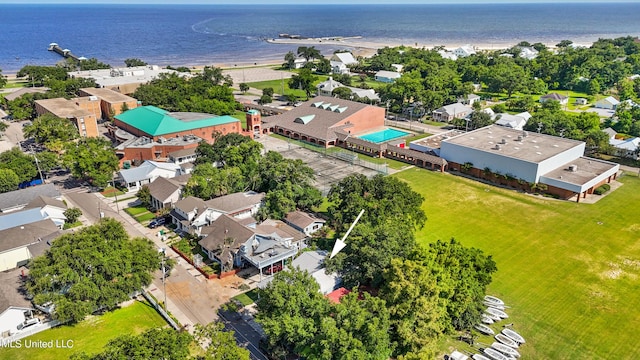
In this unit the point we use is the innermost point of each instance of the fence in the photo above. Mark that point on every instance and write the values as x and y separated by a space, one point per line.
23 334
160 310
347 156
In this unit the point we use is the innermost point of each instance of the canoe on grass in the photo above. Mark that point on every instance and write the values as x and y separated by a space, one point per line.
500 313
506 340
513 336
505 349
484 329
493 300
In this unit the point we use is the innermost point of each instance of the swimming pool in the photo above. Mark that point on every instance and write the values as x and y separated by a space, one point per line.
384 135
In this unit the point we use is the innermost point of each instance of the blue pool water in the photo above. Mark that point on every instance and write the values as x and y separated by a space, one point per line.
384 135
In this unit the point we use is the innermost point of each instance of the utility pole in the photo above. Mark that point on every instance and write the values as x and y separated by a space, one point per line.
164 286
38 166
116 194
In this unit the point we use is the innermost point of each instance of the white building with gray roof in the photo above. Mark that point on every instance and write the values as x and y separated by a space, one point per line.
532 157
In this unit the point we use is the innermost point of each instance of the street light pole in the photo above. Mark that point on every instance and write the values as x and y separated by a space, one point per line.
164 286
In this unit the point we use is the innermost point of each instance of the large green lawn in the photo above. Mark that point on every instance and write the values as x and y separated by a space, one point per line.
571 272
90 335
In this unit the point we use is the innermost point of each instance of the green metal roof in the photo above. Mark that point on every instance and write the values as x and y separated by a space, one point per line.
157 122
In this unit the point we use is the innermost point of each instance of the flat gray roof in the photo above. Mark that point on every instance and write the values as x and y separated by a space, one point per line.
586 169
433 141
518 144
108 95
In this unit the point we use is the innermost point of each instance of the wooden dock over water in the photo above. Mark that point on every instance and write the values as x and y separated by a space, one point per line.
65 53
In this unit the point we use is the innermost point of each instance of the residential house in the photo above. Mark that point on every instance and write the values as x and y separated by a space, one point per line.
133 179
387 76
528 53
10 320
448 55
581 101
563 100
338 67
313 263
464 51
24 238
326 87
165 192
452 111
629 148
304 222
517 121
299 63
609 102
470 99
221 241
193 214
37 210
18 199
183 156
344 57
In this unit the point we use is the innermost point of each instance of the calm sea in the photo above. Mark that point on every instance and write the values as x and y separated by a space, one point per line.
216 34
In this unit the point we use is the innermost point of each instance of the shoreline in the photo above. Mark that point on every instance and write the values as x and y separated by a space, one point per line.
358 45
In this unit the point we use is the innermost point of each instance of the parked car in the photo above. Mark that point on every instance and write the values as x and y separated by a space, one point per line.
156 222
273 269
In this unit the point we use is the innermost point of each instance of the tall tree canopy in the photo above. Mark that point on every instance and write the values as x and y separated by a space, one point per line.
92 159
20 163
48 128
94 268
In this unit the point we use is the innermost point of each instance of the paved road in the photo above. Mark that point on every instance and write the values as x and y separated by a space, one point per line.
245 335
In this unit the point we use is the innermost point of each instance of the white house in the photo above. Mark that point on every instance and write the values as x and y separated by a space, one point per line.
470 99
304 222
528 52
517 121
387 76
11 318
344 57
338 67
451 111
398 67
18 199
299 63
627 148
464 51
326 87
133 179
448 55
609 103
24 241
563 100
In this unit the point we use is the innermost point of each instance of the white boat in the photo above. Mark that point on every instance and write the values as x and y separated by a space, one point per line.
493 317
484 329
493 300
496 312
513 336
486 319
479 357
505 349
495 354
506 340
495 306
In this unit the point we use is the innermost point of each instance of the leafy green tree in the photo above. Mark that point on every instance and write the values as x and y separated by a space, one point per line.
93 64
9 181
309 53
463 275
144 196
48 128
479 119
304 81
265 99
94 268
36 75
131 62
72 214
594 87
208 181
342 93
47 160
164 343
323 66
357 329
267 91
22 164
3 80
290 60
412 294
219 344
92 159
508 77
291 309
244 87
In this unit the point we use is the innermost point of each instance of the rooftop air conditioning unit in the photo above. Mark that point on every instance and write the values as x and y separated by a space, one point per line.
573 168
497 147
503 141
520 137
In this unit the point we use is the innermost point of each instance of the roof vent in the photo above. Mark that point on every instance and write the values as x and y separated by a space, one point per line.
497 147
573 168
520 137
504 141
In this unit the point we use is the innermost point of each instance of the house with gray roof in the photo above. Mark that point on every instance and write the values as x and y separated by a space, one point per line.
21 242
222 239
609 103
452 111
183 156
304 222
167 191
133 179
313 263
563 100
517 121
18 199
386 76
185 211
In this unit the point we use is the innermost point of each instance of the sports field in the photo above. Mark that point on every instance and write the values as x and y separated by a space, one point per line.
571 272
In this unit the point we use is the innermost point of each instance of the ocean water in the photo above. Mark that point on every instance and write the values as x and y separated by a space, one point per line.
228 34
